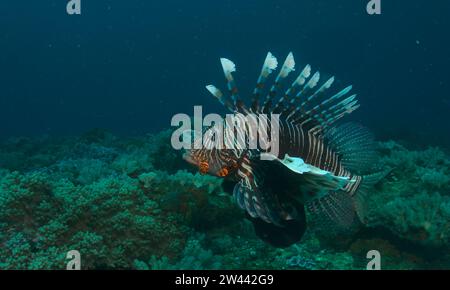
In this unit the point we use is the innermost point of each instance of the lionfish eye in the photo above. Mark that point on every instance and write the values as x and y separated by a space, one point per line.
223 172
203 167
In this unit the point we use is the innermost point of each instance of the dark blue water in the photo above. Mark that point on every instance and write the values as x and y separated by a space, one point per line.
128 66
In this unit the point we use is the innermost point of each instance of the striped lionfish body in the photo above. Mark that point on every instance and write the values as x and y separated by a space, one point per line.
318 172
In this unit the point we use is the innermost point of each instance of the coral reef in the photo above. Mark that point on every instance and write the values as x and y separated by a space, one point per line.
132 203
414 203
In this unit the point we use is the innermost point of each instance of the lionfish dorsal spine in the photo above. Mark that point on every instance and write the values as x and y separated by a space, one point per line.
270 64
288 67
228 68
220 96
292 90
301 103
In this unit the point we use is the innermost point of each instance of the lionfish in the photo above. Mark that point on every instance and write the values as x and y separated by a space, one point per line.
323 174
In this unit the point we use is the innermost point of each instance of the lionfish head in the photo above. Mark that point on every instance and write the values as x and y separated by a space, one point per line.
214 162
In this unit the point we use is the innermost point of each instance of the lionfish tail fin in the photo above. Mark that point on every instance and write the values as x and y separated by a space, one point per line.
339 211
365 187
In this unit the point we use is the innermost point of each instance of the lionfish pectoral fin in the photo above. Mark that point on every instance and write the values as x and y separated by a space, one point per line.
366 184
314 178
289 233
246 198
256 203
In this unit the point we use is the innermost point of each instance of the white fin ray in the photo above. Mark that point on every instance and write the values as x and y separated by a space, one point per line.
228 66
270 64
288 66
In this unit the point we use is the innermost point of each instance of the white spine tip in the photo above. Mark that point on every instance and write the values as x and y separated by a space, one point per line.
314 80
290 62
329 83
227 65
213 90
289 65
271 62
307 71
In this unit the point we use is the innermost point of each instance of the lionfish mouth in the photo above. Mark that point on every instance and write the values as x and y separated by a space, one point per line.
189 159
